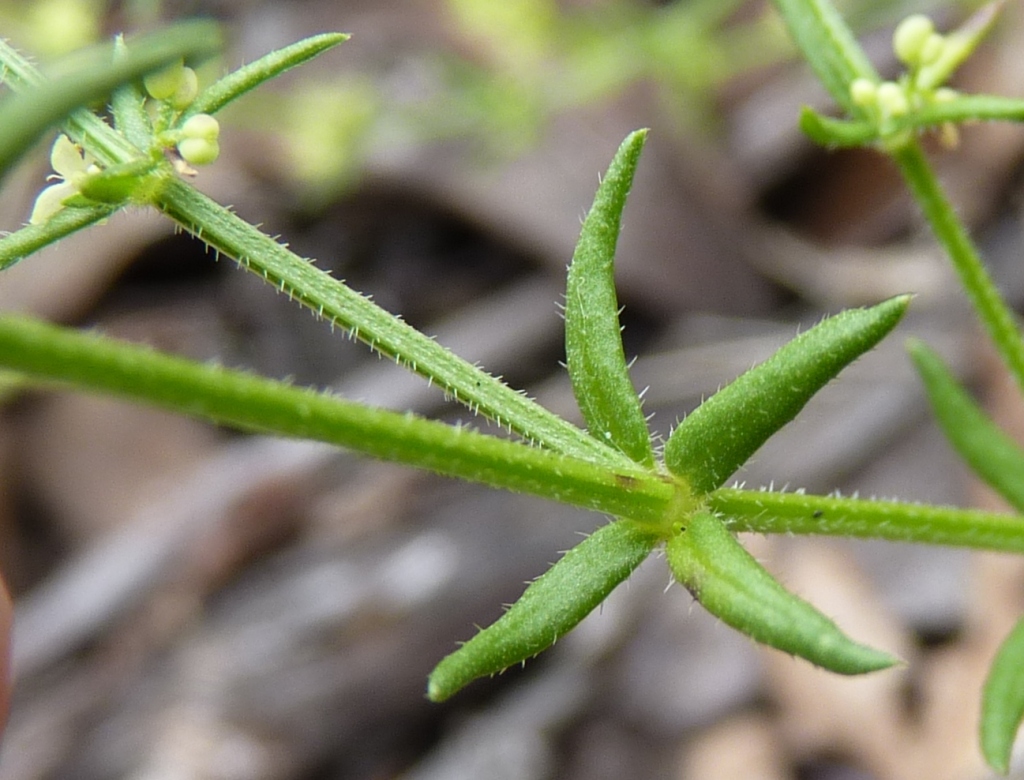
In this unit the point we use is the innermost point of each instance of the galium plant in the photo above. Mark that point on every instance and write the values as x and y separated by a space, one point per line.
673 496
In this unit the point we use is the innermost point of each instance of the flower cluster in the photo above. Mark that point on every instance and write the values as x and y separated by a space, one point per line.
930 59
174 88
194 141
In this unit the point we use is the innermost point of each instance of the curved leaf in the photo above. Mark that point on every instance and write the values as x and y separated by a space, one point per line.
551 606
723 432
593 338
730 584
1002 701
248 77
993 455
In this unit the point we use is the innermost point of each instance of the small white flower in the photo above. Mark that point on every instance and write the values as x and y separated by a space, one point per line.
70 166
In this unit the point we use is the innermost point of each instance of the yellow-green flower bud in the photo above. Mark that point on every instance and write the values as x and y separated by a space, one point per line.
201 126
863 92
892 99
187 89
163 83
910 37
932 49
198 151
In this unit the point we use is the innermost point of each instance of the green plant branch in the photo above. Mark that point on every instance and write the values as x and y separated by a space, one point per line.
327 297
363 319
23 242
90 362
995 316
895 521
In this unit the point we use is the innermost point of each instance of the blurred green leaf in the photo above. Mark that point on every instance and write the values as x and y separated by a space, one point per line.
1002 701
990 453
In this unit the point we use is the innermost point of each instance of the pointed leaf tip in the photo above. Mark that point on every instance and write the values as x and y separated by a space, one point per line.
730 584
551 606
990 453
593 339
720 435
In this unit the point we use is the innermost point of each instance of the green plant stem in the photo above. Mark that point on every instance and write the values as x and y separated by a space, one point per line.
20 244
363 319
90 362
996 318
797 513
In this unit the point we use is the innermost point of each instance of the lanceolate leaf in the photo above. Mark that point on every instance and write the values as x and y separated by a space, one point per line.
551 606
722 433
593 339
993 455
1002 701
248 77
829 46
734 587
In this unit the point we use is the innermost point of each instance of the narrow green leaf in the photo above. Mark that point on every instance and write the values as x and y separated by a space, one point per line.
999 320
766 512
248 77
25 117
723 432
593 337
1002 701
965 108
128 106
46 353
730 584
993 455
830 47
835 133
550 607
959 45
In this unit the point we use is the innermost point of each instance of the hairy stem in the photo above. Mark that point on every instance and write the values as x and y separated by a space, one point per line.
363 319
996 318
796 513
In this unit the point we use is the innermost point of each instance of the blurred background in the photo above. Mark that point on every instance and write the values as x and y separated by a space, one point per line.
196 604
